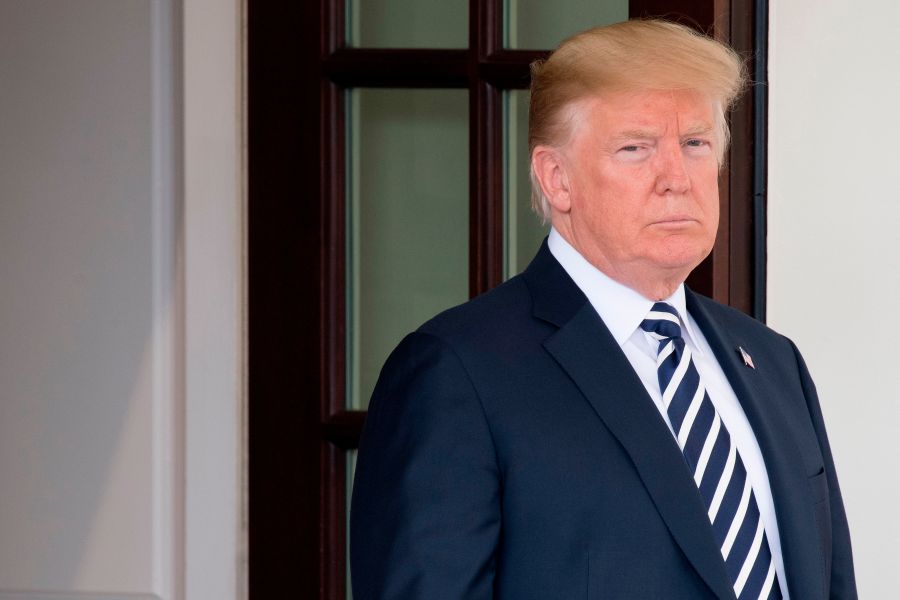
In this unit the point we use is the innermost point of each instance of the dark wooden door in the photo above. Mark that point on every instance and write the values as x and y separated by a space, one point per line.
302 70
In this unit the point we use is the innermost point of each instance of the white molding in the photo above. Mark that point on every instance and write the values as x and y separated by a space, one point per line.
215 299
35 595
242 568
168 357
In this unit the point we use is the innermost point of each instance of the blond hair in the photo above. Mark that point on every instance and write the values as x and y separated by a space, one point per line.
633 55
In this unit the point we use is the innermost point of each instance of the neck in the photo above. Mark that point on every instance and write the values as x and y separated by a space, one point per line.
654 288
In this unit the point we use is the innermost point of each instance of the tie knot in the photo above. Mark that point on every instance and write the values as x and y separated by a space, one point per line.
662 322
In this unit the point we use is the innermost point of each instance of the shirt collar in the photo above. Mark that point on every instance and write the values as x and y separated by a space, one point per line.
621 308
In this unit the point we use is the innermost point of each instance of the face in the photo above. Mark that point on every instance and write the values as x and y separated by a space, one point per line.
636 189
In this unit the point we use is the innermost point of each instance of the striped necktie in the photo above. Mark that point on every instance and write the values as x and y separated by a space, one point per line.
713 460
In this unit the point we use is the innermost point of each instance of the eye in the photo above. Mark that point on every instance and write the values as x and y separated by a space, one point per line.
633 153
697 146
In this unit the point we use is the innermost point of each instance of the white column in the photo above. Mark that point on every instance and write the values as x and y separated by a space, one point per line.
214 233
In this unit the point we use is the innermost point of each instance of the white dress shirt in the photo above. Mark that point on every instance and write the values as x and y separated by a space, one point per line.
622 310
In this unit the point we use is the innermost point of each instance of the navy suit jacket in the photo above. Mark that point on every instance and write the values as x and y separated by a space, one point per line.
511 451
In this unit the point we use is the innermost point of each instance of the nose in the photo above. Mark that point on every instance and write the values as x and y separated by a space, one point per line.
671 172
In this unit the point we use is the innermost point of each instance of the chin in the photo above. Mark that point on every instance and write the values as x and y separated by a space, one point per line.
685 260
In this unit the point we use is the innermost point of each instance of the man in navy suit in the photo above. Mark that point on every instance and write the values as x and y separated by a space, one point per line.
592 428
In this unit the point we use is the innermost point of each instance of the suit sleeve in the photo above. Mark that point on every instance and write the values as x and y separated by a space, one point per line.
842 580
425 514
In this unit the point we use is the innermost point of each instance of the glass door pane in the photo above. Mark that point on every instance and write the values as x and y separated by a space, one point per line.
542 25
524 230
407 220
408 23
350 466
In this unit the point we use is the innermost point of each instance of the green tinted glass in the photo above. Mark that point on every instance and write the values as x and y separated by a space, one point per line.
408 23
542 25
524 230
408 220
350 466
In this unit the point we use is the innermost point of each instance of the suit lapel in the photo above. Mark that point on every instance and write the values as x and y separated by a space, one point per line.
761 400
586 350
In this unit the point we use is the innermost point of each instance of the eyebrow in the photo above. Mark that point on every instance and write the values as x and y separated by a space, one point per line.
649 134
640 134
698 130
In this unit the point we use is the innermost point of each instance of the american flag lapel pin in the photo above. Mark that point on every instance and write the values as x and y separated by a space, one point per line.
748 360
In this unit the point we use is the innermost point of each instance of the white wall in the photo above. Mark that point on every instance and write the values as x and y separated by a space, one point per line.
834 247
121 328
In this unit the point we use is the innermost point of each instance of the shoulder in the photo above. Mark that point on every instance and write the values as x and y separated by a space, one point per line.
497 313
733 319
738 329
496 331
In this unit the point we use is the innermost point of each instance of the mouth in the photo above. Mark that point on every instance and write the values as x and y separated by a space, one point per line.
676 221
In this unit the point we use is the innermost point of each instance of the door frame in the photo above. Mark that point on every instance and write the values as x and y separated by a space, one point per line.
298 67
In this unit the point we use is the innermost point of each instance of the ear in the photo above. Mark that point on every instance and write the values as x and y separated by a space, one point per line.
549 168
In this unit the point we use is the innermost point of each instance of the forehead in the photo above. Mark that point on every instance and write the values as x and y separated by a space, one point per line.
656 112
